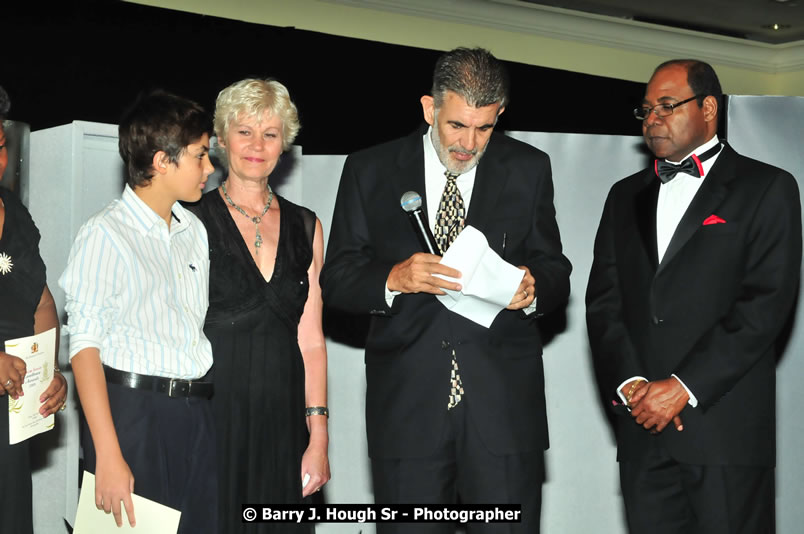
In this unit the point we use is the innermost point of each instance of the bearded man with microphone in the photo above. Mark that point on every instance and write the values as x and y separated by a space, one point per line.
455 412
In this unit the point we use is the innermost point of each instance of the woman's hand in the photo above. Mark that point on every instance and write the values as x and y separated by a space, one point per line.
54 398
12 374
316 464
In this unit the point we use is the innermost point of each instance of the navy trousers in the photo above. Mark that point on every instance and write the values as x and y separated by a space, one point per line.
169 445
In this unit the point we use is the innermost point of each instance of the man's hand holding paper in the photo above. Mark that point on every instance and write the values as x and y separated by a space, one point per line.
423 273
490 284
526 293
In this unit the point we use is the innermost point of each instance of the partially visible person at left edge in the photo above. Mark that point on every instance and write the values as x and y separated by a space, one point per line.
26 308
136 287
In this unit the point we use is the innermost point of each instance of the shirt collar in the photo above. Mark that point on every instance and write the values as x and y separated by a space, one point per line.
706 166
431 161
700 150
147 219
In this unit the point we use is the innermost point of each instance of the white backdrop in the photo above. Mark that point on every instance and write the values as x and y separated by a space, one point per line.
768 128
581 494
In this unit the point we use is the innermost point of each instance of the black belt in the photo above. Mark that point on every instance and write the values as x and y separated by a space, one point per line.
172 387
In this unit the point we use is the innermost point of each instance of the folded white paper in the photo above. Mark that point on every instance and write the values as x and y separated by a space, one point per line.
488 282
152 517
38 352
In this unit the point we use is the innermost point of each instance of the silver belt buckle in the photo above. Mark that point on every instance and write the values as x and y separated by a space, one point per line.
175 385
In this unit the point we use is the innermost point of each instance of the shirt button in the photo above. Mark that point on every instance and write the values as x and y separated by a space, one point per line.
445 345
656 320
179 275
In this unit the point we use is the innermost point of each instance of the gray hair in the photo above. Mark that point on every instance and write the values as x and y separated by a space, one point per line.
473 73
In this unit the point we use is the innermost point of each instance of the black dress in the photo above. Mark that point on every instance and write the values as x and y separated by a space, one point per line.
258 372
20 291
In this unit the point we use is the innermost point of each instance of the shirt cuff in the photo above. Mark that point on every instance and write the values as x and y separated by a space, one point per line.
79 342
620 387
389 295
693 400
531 308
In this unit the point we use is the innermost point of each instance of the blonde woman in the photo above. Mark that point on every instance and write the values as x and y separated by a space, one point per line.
264 318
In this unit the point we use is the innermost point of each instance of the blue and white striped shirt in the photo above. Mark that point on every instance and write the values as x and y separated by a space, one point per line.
139 292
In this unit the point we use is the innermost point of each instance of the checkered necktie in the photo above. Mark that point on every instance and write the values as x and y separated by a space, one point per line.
451 214
455 384
449 223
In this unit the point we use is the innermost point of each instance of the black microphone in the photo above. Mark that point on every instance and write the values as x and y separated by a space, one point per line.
412 203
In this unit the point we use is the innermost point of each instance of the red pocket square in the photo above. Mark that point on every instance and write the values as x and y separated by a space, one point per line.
713 219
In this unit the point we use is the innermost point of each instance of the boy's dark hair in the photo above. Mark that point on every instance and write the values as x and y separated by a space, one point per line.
158 121
5 104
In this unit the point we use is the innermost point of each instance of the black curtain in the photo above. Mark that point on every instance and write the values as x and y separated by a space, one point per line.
87 60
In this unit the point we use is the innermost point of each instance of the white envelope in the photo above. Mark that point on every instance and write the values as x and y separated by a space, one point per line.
152 517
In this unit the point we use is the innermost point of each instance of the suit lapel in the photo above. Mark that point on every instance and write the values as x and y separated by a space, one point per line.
490 181
711 194
645 206
408 175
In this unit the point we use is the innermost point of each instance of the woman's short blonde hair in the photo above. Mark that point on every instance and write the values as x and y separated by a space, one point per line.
252 97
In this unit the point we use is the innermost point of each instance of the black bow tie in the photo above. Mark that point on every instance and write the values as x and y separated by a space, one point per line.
666 171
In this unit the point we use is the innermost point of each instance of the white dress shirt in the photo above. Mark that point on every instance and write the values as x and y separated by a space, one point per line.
674 198
138 291
676 195
435 180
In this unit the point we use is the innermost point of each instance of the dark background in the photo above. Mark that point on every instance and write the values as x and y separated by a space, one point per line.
87 60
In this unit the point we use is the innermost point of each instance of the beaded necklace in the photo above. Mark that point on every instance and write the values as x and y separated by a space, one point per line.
256 220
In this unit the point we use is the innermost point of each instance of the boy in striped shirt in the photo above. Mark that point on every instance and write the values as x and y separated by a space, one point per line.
136 287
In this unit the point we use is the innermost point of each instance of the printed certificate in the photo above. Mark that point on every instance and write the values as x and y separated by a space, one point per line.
38 352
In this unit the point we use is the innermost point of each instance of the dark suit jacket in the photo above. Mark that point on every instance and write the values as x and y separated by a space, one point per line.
408 350
710 312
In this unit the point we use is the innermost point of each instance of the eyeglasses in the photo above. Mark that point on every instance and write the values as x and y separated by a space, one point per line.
661 110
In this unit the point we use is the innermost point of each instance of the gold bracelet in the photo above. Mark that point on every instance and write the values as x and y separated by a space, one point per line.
317 410
631 391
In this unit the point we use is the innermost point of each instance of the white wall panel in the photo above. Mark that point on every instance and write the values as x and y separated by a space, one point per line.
769 129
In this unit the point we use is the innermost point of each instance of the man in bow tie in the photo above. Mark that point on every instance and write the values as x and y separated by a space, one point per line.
696 263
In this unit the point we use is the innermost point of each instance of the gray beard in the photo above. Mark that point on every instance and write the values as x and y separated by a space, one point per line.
443 153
